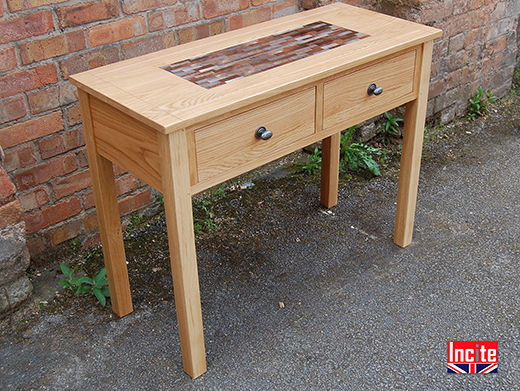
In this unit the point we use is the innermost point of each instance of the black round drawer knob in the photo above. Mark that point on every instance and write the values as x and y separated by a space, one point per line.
374 90
263 134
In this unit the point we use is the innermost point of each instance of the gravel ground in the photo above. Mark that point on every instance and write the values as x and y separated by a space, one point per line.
359 313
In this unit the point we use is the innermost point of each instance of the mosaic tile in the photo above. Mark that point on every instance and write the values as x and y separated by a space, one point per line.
236 62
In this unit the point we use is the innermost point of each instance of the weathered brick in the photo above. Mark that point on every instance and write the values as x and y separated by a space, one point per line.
436 88
10 214
472 36
44 172
34 199
52 47
456 43
7 188
214 8
116 31
125 184
21 157
134 202
61 143
134 6
69 185
21 5
64 232
82 157
481 17
26 26
454 79
94 11
90 222
147 45
29 130
476 4
7 59
249 18
91 240
74 115
52 215
171 17
285 8
90 60
12 109
310 4
457 24
434 12
52 97
1 9
35 245
14 83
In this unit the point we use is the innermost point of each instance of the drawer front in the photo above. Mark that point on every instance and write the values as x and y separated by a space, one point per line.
347 97
232 142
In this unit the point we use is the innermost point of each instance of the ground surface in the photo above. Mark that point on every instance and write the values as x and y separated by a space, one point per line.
359 313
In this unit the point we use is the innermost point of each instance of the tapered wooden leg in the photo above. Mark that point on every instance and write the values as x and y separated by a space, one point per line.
179 220
108 217
411 154
330 170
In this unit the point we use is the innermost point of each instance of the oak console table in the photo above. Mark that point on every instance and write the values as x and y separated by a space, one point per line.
187 118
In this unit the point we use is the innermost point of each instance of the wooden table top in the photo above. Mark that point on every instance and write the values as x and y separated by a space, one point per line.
147 90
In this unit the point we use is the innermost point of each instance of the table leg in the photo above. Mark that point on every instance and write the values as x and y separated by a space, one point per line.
330 170
179 221
103 185
411 154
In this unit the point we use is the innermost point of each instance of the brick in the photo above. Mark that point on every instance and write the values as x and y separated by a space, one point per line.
19 157
287 7
52 47
90 222
249 18
456 61
71 184
125 184
61 143
14 83
498 46
7 188
90 60
52 215
67 231
44 172
94 11
457 24
29 130
1 9
82 157
435 12
310 4
12 109
34 199
35 245
146 45
7 59
436 88
52 97
171 17
26 26
456 43
472 37
116 31
74 115
214 8
21 5
134 202
481 17
10 214
134 6
454 79
91 240
476 4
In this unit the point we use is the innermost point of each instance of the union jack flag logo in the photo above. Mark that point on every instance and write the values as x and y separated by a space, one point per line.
472 356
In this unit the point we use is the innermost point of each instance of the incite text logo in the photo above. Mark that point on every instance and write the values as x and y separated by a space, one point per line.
472 356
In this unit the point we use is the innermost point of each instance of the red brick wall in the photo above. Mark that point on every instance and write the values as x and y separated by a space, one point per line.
42 42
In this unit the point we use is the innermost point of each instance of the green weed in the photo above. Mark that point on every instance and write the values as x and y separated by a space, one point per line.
479 103
313 164
390 127
97 285
357 155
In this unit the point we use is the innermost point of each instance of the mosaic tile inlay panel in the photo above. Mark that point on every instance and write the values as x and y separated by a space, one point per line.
224 66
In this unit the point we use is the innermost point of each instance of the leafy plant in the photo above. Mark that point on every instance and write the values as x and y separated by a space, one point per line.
133 224
357 155
313 164
97 285
479 103
390 127
203 216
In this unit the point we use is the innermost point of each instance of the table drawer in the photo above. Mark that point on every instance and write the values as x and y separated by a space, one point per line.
347 97
231 143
